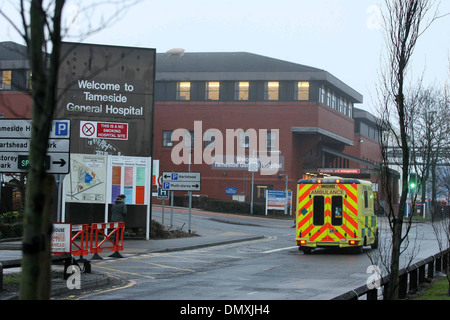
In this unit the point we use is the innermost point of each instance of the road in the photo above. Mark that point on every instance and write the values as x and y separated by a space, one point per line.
270 268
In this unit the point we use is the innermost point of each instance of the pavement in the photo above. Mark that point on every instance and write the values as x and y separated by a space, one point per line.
11 250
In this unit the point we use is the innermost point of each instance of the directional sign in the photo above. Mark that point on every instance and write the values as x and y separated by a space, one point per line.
181 186
54 163
21 128
163 194
181 176
15 137
23 145
181 181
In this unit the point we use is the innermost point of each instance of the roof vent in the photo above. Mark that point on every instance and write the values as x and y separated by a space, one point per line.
176 52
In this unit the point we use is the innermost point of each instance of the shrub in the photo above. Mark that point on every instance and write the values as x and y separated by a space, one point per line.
13 230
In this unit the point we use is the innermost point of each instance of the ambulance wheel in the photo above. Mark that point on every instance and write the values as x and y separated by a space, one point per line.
357 250
305 250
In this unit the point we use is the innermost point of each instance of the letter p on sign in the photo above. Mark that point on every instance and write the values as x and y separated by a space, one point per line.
61 128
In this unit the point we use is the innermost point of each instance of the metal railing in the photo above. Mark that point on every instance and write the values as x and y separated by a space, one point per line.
409 278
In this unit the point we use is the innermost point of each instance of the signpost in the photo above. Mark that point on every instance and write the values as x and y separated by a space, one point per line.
15 137
182 181
276 200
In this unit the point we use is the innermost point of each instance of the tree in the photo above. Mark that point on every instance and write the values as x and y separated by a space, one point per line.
403 22
41 28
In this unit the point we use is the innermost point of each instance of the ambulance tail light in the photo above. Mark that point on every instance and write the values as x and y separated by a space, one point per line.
353 242
302 242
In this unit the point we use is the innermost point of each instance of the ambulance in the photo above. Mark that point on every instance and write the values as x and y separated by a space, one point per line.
335 212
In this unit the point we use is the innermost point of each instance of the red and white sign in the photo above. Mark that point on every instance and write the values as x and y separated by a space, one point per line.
61 236
104 130
330 170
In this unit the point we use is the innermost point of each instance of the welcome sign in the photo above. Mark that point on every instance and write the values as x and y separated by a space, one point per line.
111 88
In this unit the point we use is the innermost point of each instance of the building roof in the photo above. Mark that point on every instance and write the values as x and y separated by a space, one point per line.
225 62
13 56
234 66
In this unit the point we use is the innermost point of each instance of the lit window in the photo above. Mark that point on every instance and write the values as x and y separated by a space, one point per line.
29 84
241 90
183 91
5 80
212 90
302 90
271 90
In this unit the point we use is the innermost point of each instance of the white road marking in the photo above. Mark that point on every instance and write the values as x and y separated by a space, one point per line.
279 249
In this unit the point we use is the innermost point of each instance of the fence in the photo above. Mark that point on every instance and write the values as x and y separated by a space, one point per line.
85 239
112 234
409 278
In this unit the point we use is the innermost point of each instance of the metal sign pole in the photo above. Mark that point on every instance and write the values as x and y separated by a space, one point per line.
171 209
162 221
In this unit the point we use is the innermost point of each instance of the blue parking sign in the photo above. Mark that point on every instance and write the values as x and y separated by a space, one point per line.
166 185
61 128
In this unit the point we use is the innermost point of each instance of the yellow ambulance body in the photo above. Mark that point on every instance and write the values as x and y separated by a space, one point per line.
335 212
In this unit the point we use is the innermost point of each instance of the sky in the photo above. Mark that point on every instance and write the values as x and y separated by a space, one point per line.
339 36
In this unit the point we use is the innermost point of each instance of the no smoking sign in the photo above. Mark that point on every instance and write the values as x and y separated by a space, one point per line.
104 130
88 129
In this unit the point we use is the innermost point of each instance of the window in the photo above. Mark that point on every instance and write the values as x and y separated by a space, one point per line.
212 90
271 90
318 211
271 140
189 139
366 199
302 90
5 79
336 210
241 90
183 91
328 98
322 94
29 84
167 138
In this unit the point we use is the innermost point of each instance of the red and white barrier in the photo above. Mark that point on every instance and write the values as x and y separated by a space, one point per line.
112 234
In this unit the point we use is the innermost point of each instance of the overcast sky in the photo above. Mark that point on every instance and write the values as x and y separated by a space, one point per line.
339 36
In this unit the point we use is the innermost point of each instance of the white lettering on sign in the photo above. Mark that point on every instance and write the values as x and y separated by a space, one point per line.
104 130
98 97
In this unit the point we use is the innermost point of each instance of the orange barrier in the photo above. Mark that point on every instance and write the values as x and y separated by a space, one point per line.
82 231
112 241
